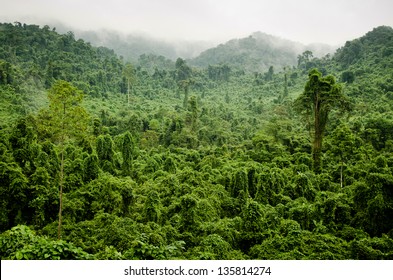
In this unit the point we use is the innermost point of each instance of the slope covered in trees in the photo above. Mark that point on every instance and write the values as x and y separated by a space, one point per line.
192 163
257 53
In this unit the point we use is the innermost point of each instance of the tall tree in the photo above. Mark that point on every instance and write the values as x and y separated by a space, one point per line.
285 92
63 121
343 146
269 74
129 74
320 96
304 59
183 74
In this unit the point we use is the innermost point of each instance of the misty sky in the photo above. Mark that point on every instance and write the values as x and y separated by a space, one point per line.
306 21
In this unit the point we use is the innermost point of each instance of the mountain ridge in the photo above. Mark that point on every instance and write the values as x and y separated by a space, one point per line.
131 46
258 52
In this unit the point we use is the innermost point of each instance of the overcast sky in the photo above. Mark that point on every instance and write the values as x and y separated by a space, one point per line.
306 21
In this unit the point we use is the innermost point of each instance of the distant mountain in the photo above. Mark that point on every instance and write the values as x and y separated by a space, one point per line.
132 46
258 52
128 46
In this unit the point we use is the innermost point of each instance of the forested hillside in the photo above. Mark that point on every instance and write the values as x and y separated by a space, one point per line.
101 159
257 53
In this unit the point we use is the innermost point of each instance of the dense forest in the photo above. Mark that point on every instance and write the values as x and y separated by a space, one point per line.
159 159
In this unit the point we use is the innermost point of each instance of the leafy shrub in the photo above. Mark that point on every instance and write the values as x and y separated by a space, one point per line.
22 243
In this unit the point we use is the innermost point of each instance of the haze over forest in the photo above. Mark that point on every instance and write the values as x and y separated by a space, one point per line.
186 28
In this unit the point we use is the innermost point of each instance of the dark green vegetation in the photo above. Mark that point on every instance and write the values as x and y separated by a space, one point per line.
160 160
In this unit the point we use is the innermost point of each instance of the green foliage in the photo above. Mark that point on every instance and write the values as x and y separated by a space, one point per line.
58 56
105 153
201 163
151 209
302 245
320 95
21 243
347 77
5 73
65 117
129 152
91 168
14 190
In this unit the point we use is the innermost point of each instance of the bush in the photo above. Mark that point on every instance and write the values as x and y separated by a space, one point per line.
21 243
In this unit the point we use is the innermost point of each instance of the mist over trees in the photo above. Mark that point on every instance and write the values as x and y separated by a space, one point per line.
270 155
132 46
256 52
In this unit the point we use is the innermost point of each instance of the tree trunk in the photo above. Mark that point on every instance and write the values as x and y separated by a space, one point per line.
61 194
317 153
317 145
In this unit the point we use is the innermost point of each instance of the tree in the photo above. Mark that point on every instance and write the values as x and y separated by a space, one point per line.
285 85
128 151
105 152
185 84
304 59
343 145
5 73
151 209
269 74
129 74
193 113
91 168
348 77
320 96
63 121
284 94
183 74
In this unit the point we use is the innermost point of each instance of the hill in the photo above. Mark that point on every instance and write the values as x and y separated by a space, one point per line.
131 47
179 162
257 53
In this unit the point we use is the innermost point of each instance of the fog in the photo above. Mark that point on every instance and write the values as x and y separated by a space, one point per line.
306 21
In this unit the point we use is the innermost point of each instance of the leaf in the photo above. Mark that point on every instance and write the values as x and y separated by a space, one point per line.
19 255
